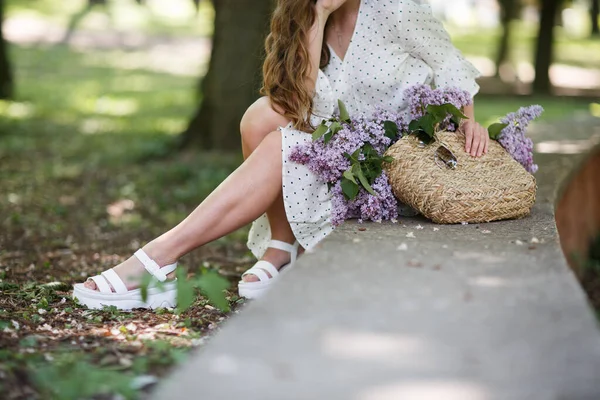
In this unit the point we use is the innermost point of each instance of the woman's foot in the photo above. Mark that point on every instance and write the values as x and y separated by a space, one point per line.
132 271
277 257
257 280
123 291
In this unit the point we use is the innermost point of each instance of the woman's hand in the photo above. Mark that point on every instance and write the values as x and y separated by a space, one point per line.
478 138
329 6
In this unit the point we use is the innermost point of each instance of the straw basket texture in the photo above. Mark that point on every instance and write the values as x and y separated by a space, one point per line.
490 188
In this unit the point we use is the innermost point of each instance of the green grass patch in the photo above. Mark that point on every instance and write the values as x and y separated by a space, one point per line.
575 51
489 108
175 17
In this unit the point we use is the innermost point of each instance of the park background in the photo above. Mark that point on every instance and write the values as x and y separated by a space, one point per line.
115 122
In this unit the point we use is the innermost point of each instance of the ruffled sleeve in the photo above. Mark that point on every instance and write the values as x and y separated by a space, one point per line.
323 101
423 36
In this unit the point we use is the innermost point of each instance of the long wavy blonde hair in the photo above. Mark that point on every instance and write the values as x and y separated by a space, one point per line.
287 61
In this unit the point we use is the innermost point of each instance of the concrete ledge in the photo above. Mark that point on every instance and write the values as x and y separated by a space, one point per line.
465 313
471 312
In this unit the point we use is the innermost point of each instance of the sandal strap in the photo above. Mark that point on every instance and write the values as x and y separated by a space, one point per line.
115 281
101 284
153 268
260 269
259 273
290 248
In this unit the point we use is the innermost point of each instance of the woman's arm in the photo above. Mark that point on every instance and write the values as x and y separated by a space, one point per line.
323 9
315 46
424 36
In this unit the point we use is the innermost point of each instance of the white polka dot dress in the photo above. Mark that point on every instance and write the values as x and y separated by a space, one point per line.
396 44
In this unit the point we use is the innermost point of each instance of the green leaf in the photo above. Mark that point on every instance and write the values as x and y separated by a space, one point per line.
363 180
414 126
344 115
391 129
320 131
349 188
144 284
185 291
212 286
327 137
495 130
350 176
451 108
428 123
424 137
388 159
353 157
438 112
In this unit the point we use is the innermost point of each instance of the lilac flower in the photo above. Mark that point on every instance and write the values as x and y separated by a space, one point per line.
513 138
420 96
365 206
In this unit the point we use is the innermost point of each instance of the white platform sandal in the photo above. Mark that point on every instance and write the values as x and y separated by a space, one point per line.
113 292
253 290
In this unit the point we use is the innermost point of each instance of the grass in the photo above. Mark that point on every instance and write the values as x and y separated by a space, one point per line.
89 173
490 108
576 51
172 18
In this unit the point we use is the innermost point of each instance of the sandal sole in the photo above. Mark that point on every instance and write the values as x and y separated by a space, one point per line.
165 297
253 290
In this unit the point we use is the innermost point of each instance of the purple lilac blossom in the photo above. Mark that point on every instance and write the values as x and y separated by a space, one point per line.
328 162
420 96
513 138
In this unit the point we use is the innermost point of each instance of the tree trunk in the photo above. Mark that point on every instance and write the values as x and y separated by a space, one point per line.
6 79
545 45
234 74
595 14
508 9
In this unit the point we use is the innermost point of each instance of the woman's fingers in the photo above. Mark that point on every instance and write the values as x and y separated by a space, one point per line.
487 141
469 137
476 142
482 136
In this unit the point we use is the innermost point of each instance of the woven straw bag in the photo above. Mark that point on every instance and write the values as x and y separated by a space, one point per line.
493 187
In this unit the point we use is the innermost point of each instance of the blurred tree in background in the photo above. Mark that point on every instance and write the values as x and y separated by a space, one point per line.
509 10
234 73
545 46
6 79
595 15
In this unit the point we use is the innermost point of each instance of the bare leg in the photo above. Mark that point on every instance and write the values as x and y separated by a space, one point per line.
240 199
258 122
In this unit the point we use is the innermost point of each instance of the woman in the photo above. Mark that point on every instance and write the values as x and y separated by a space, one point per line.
364 52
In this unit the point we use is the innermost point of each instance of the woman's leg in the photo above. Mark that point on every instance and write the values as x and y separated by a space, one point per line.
240 199
258 121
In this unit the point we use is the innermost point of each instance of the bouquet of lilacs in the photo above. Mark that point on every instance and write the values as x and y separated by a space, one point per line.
348 153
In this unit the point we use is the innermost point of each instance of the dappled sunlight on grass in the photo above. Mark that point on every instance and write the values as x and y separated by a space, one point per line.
16 110
155 16
100 99
572 51
109 105
490 108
